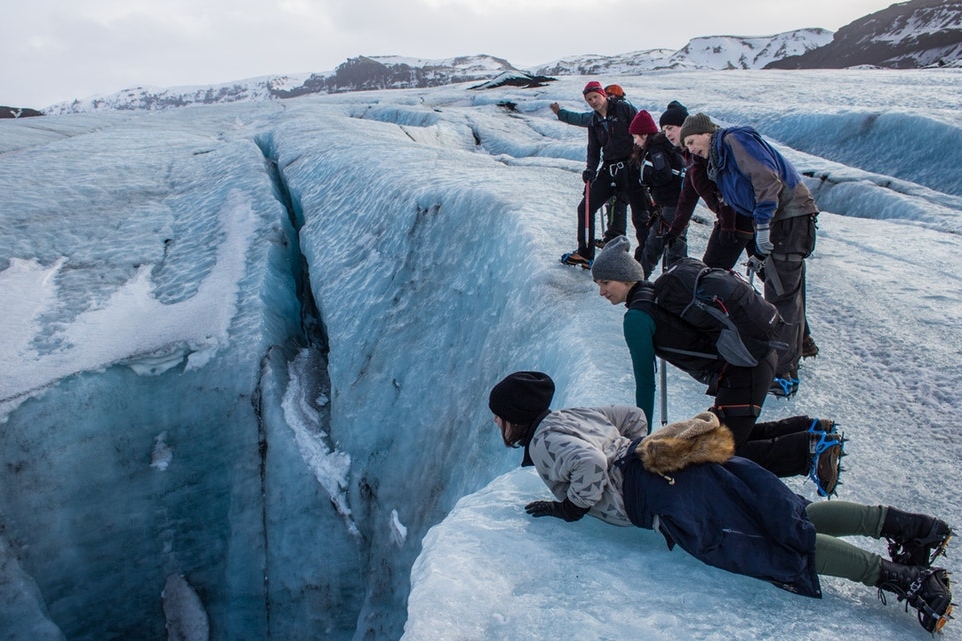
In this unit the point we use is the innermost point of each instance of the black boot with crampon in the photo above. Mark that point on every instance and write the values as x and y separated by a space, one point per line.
826 450
915 539
925 589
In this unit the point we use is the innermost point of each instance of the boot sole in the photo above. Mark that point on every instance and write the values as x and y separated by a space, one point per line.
943 620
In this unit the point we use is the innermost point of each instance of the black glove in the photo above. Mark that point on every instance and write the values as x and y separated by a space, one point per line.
564 510
587 175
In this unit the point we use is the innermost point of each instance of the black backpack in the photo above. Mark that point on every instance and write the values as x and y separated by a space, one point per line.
710 313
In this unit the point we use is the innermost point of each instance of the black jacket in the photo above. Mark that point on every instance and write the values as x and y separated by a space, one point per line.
608 137
662 170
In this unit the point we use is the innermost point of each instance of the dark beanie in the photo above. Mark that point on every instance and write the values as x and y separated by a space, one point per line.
521 397
595 86
643 123
697 124
675 114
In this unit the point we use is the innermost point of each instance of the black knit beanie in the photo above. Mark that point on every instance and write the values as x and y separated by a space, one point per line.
675 114
521 397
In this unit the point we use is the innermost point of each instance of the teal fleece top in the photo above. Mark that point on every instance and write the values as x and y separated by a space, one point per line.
639 330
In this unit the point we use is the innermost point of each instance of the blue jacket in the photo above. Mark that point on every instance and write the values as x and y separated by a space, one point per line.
736 516
755 179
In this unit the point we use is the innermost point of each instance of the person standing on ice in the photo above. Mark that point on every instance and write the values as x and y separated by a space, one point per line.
794 446
662 168
731 234
757 181
726 511
583 118
607 172
617 206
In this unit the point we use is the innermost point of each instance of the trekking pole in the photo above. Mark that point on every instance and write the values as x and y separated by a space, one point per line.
664 392
662 364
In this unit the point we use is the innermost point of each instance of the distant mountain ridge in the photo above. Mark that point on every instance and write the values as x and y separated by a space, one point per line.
919 33
707 52
386 72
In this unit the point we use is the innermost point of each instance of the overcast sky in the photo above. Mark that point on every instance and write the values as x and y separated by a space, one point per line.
55 50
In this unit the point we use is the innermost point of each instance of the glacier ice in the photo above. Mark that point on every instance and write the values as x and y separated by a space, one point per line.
249 346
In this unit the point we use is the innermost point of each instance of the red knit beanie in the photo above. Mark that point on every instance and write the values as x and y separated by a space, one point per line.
643 123
595 86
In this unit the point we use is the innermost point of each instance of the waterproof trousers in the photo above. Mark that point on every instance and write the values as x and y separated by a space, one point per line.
782 447
794 240
621 177
654 242
836 557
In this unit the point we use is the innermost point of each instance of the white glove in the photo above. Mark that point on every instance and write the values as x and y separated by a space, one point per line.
762 241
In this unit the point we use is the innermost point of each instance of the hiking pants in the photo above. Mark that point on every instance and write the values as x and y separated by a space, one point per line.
615 209
725 253
781 447
654 243
623 177
836 557
794 240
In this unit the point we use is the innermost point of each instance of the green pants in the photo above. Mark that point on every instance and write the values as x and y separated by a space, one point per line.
836 557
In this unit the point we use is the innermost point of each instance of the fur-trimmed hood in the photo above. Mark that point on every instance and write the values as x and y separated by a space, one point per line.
701 439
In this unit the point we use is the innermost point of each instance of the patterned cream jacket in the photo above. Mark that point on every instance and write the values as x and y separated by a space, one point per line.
574 451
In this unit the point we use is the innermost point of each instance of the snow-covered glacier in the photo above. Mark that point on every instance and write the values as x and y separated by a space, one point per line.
247 350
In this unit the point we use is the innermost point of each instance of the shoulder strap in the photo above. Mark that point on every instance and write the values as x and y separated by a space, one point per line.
641 296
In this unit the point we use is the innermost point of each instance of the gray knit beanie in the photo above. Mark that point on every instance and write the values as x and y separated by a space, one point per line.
696 124
615 263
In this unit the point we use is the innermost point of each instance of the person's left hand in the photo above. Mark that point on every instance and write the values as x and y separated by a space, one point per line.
563 510
762 241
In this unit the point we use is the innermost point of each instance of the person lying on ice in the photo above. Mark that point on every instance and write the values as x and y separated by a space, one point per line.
684 482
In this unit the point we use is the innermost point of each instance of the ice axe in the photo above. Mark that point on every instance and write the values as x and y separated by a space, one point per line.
589 237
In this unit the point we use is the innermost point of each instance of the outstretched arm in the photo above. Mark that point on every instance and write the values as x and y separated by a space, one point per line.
639 330
579 119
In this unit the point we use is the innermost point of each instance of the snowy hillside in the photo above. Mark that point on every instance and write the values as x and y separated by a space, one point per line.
734 52
906 35
248 349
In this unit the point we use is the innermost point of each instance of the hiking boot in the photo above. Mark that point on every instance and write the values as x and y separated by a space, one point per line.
574 258
600 243
826 425
915 539
827 451
925 589
785 386
809 348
